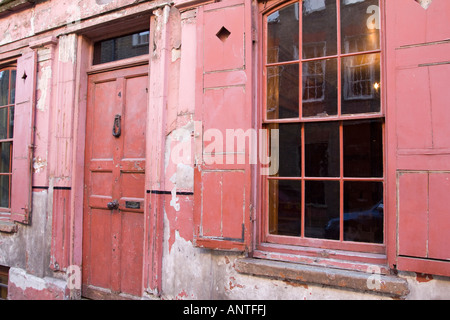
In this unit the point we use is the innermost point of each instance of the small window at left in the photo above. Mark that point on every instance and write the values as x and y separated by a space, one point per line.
4 272
7 101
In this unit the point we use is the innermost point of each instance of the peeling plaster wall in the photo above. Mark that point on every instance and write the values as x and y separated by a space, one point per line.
206 274
191 273
24 286
50 14
26 249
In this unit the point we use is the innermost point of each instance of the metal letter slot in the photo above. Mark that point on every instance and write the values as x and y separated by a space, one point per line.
117 130
132 204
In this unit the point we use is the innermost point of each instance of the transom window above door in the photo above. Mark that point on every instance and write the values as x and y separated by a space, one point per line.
323 95
123 47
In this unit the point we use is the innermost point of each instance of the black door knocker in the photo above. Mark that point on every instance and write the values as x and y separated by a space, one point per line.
117 126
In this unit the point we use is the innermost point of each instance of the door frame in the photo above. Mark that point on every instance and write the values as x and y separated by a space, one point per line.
124 106
153 211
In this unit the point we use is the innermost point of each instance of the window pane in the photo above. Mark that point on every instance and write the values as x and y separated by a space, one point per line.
119 48
283 34
11 122
319 32
361 84
319 88
3 289
4 87
322 149
283 92
285 207
289 149
4 191
363 149
13 87
4 123
322 209
360 25
363 211
5 157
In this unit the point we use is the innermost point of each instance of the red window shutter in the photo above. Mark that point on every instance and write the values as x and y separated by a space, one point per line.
418 136
23 138
222 187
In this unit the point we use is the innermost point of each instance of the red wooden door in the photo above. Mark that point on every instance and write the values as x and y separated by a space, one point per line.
113 221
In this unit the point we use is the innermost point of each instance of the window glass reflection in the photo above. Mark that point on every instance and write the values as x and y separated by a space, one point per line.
4 191
363 149
12 91
283 34
285 207
322 149
319 79
4 87
123 47
322 208
4 123
289 149
363 211
319 27
360 25
361 84
283 92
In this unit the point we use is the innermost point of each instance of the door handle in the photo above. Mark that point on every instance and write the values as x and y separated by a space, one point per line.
117 130
113 205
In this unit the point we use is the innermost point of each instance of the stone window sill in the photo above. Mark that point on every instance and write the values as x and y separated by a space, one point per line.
8 227
346 279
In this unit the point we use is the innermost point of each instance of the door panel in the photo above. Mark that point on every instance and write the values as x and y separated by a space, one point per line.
100 250
131 242
113 236
134 142
103 108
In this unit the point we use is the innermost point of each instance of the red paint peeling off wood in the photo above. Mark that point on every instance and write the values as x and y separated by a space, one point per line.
60 250
180 222
422 277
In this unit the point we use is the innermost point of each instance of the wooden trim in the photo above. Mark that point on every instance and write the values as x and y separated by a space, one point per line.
192 4
428 266
341 258
326 244
50 40
96 293
220 244
119 64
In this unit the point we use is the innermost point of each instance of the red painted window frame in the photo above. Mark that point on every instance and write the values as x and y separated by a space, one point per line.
10 68
297 248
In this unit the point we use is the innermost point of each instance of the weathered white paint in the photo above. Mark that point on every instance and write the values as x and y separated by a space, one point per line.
39 164
43 86
24 281
67 48
174 201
